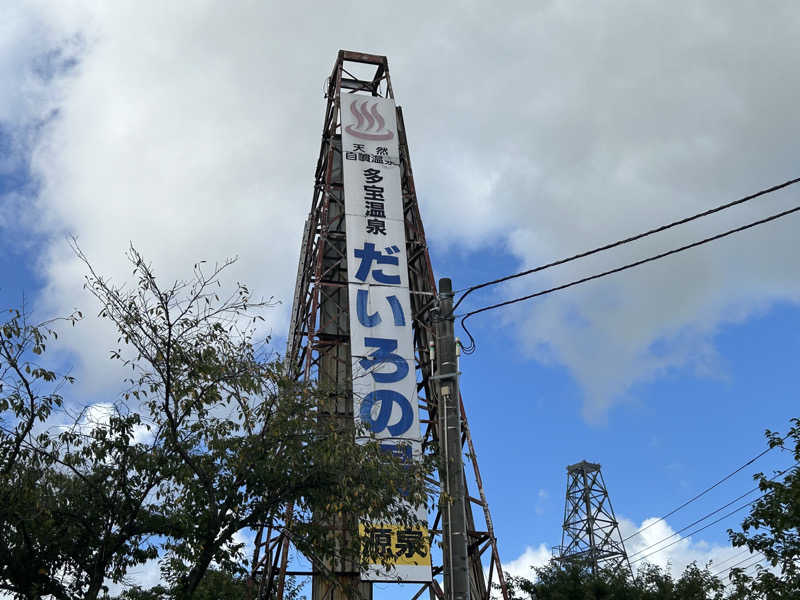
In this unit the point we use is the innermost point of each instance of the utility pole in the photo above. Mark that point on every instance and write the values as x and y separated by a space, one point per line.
452 502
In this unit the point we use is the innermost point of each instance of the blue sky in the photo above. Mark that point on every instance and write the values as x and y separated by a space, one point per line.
535 133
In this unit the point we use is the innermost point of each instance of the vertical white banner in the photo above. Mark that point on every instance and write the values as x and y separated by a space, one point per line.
381 337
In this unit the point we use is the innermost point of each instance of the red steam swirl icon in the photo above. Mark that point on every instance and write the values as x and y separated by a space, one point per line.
366 113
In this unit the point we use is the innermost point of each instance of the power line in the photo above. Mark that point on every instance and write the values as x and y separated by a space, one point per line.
700 495
712 513
692 524
714 522
735 556
627 240
752 564
471 347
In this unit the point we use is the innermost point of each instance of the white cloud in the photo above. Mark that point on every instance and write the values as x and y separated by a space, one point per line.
146 575
529 559
193 132
605 121
99 415
541 502
675 557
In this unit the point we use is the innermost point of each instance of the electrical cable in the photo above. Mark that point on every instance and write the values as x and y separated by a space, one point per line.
712 513
627 240
700 495
471 347
760 560
714 522
747 551
735 556
692 524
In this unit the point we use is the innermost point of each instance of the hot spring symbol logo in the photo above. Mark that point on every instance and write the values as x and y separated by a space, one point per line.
369 125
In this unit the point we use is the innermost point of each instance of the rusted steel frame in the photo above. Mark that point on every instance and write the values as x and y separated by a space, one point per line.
280 550
271 545
299 311
257 545
413 256
320 201
417 316
361 57
420 275
425 403
269 564
420 269
354 84
299 296
483 544
412 190
322 191
380 75
332 284
334 259
420 591
334 267
489 580
306 311
373 86
312 241
306 327
486 513
323 220
311 322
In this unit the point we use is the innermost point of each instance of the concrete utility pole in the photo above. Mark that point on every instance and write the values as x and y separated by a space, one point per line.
453 504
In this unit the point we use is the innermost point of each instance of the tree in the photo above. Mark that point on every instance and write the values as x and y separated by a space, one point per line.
245 435
772 527
216 585
74 506
573 579
209 439
21 408
699 584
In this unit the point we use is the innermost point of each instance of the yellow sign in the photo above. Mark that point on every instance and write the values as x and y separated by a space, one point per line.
398 544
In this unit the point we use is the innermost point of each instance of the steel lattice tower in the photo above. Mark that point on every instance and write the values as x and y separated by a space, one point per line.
591 533
319 344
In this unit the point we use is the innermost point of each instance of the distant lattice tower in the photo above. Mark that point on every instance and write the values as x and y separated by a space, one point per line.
591 533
